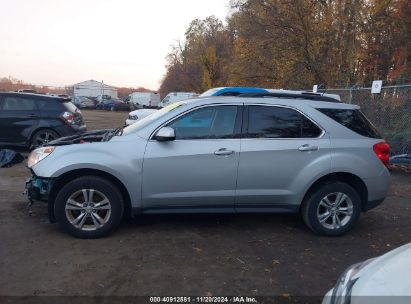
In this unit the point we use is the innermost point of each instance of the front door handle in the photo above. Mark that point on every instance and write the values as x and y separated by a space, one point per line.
307 148
223 152
31 115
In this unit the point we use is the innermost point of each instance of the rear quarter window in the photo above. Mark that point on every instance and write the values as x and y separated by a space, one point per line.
69 106
49 105
354 120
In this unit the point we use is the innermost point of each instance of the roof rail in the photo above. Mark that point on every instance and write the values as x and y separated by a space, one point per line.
308 96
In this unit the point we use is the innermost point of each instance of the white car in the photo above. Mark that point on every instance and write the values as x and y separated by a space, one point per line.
173 97
385 279
138 114
143 99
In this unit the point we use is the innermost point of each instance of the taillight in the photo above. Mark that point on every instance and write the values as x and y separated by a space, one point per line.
382 150
68 118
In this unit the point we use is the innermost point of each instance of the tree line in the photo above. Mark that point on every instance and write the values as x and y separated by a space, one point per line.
294 44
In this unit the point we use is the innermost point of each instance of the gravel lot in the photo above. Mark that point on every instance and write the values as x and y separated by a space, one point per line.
186 254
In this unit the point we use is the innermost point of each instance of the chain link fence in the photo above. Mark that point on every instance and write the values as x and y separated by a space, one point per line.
389 111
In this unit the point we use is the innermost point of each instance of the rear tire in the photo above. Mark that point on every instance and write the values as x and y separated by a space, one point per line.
42 137
89 207
331 209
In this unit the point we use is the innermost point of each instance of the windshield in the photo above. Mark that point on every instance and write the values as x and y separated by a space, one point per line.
210 92
138 125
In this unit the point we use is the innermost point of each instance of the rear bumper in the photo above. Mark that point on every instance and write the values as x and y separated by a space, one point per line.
377 189
372 204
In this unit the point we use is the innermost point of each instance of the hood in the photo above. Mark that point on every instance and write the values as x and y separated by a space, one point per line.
387 275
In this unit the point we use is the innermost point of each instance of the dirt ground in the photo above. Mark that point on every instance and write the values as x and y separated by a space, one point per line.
186 254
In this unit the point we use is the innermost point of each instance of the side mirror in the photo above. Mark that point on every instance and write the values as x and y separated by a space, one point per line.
165 134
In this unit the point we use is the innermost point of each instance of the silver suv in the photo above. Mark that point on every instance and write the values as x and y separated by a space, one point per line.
264 152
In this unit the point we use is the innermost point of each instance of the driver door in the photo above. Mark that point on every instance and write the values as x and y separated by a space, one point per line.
197 170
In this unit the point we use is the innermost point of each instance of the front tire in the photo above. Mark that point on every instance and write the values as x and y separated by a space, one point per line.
89 207
332 209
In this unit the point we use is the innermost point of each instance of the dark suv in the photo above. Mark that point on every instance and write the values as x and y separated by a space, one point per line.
30 120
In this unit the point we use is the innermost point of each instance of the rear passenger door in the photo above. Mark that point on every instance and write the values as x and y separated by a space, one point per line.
280 149
18 117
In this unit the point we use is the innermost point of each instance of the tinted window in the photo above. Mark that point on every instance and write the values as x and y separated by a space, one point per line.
69 106
206 123
278 122
353 120
18 104
49 105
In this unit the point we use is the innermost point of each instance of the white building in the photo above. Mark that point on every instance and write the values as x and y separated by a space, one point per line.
92 88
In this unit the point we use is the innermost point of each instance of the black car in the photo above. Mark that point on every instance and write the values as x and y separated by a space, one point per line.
113 104
31 120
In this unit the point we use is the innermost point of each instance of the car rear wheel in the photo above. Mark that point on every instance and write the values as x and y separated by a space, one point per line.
42 137
89 207
332 209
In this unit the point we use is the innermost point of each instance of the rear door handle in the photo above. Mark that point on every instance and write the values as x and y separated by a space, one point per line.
223 152
307 148
32 115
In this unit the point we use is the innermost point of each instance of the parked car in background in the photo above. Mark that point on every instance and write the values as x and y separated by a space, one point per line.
82 102
139 114
175 97
138 100
113 105
31 120
27 91
232 91
100 98
298 153
385 279
58 95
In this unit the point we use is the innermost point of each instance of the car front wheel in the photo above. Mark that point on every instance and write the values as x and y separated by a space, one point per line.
332 209
89 207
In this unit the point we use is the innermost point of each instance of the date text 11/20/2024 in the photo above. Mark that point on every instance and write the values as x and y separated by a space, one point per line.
203 299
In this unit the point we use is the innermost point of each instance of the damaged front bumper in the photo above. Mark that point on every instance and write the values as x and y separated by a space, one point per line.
37 188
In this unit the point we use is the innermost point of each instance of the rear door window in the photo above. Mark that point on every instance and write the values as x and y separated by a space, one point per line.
354 120
279 122
11 103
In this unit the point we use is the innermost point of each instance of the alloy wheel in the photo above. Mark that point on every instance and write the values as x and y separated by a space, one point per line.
43 138
335 210
88 209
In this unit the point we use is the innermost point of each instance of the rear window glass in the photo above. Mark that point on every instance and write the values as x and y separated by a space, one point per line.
353 120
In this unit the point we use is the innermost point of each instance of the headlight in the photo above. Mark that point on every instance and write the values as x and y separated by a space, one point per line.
133 117
344 285
38 155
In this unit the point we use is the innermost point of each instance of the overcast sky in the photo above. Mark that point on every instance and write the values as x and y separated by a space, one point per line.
123 42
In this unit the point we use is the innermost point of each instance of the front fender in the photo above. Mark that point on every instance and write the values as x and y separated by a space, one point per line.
104 156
